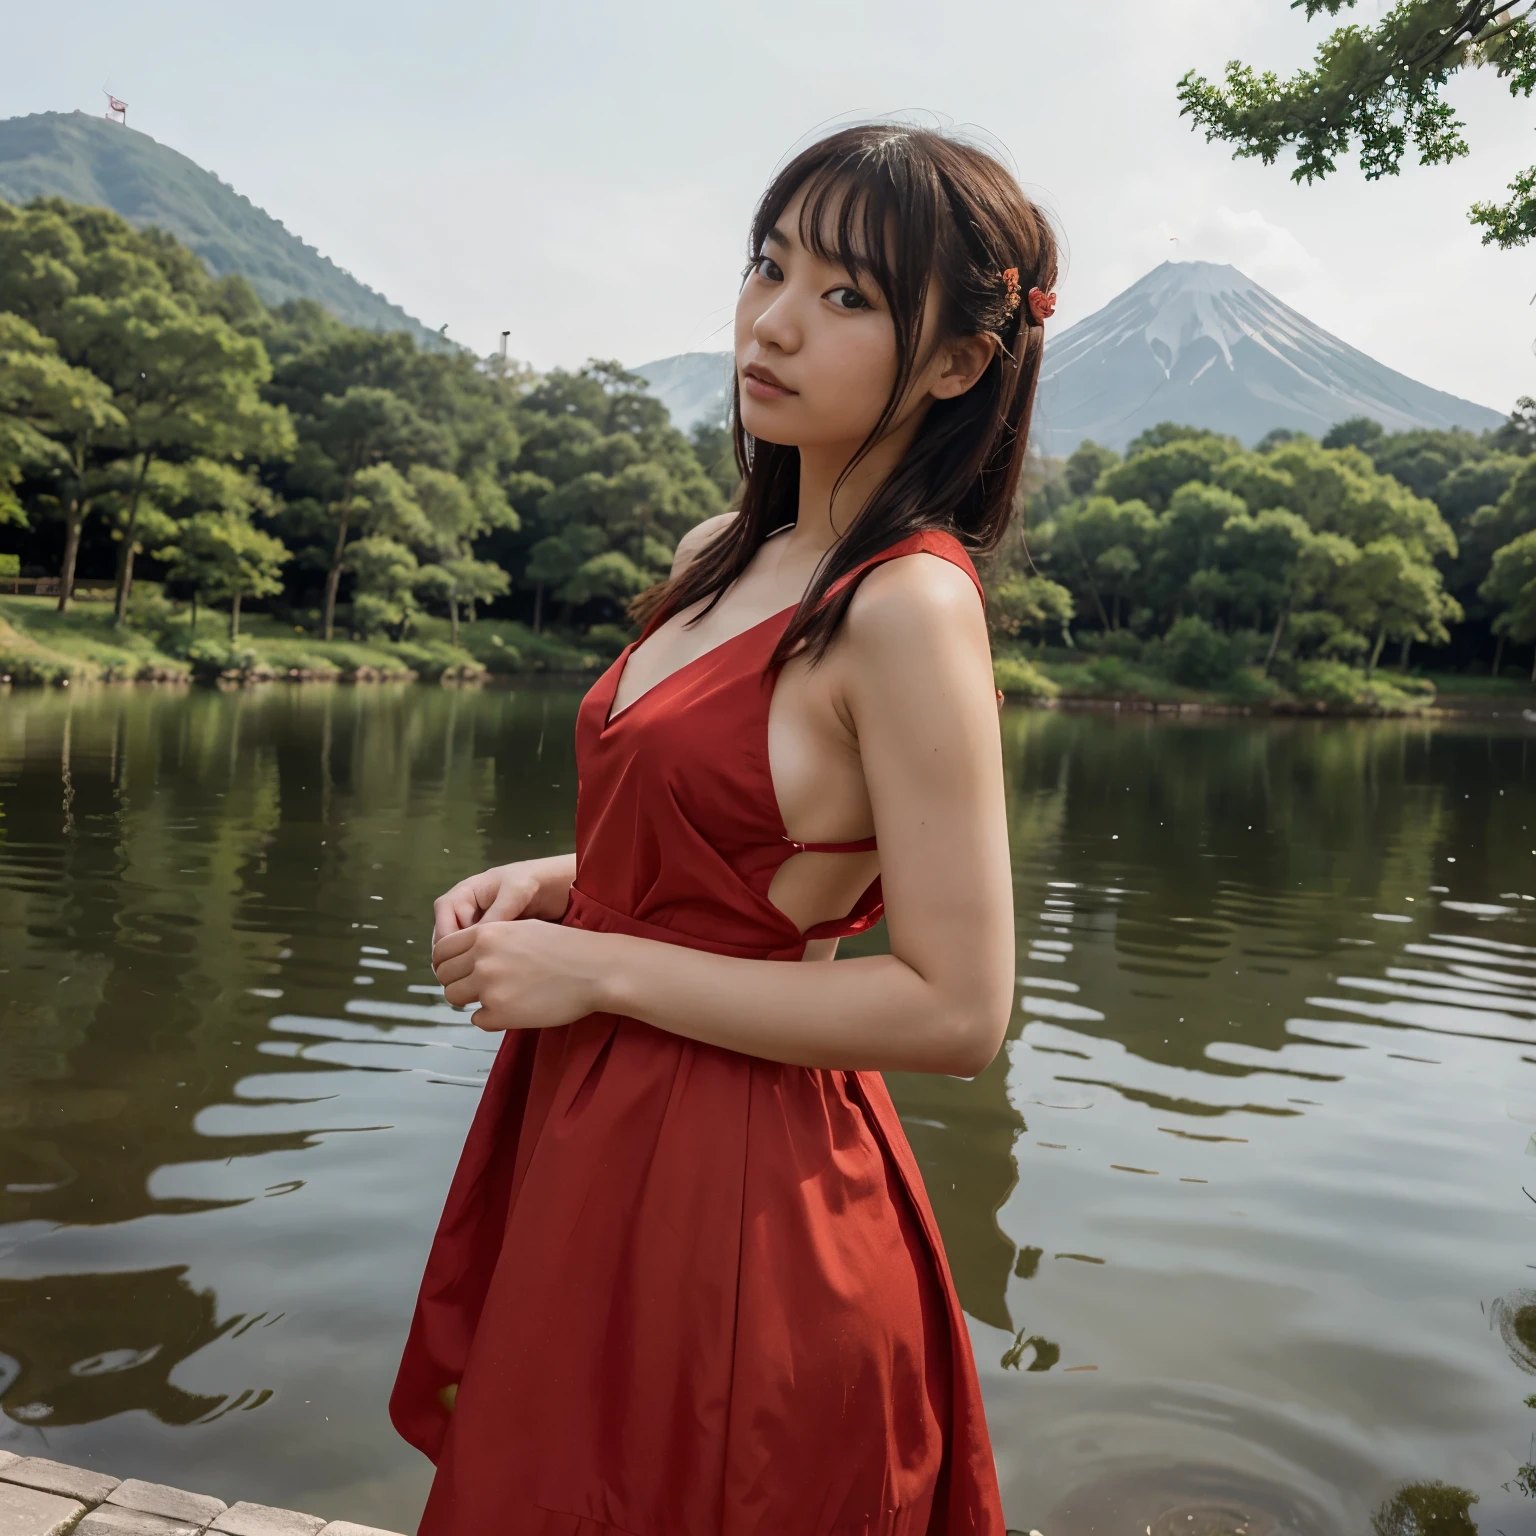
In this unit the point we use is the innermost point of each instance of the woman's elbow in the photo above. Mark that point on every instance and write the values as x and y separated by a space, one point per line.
972 1042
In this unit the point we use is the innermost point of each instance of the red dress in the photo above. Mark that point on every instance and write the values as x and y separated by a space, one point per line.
684 1291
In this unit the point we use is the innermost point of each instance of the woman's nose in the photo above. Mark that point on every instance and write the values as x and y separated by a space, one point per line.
777 326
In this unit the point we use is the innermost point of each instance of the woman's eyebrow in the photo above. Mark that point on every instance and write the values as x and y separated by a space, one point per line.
775 236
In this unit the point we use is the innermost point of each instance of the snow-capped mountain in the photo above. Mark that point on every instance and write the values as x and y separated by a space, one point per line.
1199 343
1194 342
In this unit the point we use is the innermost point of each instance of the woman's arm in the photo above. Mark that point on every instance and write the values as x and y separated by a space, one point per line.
915 679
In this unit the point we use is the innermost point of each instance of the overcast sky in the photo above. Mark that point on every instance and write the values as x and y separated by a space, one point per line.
582 173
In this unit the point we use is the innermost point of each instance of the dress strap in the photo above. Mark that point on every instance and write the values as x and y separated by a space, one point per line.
926 541
858 845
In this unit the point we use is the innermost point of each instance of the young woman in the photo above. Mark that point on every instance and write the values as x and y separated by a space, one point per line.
687 1282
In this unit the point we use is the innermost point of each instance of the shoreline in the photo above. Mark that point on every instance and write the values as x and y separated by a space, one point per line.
43 1497
1463 708
1455 707
83 649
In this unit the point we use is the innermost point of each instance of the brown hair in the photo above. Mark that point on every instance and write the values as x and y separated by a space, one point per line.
909 207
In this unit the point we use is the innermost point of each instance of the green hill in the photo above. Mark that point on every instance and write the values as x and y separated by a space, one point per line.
106 165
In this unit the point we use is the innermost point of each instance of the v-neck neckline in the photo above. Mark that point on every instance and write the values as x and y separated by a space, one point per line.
612 719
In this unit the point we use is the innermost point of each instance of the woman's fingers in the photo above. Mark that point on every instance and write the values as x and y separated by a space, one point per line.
467 902
455 910
452 945
510 901
463 992
454 968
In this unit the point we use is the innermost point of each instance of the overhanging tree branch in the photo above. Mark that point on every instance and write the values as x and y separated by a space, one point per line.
1377 89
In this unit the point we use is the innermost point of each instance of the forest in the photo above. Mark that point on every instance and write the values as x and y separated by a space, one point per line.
1295 567
170 436
231 489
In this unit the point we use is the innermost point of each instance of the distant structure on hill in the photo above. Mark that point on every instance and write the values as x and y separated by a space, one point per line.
86 159
1195 342
1200 343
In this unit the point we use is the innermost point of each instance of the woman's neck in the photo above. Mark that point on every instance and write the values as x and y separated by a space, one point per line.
824 517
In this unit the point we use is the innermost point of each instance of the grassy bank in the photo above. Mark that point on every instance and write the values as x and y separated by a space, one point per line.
40 646
1058 675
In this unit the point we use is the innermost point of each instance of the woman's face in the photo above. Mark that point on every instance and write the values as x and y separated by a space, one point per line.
815 347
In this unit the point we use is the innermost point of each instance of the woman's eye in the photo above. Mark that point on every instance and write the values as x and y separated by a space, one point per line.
848 298
768 269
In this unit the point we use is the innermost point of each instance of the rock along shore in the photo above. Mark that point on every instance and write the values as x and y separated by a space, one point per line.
39 1497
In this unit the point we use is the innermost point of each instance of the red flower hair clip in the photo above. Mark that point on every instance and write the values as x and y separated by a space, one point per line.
1042 305
1011 292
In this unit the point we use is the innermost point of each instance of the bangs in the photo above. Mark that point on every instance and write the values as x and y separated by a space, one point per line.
868 209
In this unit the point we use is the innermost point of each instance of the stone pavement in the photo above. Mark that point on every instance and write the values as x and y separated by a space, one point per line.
39 1497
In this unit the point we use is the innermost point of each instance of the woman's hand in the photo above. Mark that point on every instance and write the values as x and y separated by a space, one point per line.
524 975
529 888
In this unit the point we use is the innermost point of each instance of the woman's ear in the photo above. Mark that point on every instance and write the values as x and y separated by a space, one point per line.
963 362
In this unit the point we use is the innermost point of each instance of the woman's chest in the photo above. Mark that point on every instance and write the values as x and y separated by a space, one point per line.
743 752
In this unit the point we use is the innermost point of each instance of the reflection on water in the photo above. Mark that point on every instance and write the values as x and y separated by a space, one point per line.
1237 1215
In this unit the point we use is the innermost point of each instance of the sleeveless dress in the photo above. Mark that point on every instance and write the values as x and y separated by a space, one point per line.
684 1291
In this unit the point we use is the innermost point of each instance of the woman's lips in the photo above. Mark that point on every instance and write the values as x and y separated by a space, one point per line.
762 385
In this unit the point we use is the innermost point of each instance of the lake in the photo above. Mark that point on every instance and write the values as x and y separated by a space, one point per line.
1238 1215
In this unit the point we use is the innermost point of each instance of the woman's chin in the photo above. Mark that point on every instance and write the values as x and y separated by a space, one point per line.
761 420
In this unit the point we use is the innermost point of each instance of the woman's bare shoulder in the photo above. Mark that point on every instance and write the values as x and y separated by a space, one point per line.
921 592
915 645
693 543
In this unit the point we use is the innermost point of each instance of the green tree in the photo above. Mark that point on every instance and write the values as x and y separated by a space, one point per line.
1152 474
1085 464
1361 432
1518 434
1110 542
1188 538
716 450
139 313
1167 432
361 400
1256 478
385 596
384 511
184 383
222 555
1339 491
1029 603
1423 459
623 487
1491 527
52 416
1475 484
1380 88
454 516
400 518
347 436
1392 593
1272 564
1511 588
22 445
